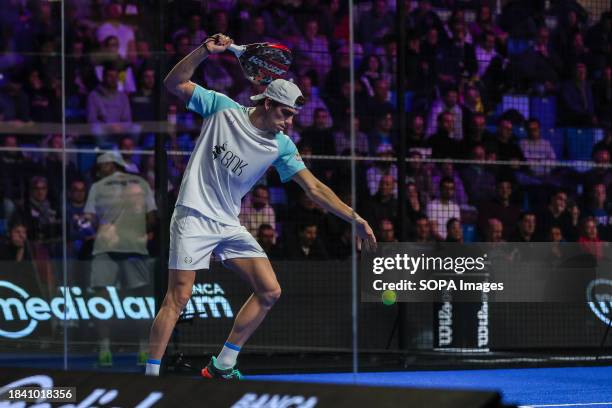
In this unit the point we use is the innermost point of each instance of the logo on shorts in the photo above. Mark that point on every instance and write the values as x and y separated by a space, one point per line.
188 259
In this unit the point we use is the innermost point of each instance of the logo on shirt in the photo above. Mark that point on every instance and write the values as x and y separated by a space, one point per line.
229 159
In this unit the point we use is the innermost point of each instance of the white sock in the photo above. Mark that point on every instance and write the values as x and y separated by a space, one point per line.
153 368
227 357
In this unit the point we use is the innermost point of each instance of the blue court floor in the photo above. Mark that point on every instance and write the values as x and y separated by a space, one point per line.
526 387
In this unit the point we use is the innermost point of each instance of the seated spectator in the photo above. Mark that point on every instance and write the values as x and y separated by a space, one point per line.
130 161
424 18
312 52
51 165
440 210
381 168
16 248
371 71
313 102
556 213
303 209
449 103
505 145
377 106
375 23
114 27
472 105
499 207
319 135
447 170
589 238
602 97
485 23
342 139
417 139
458 59
602 173
574 53
383 133
538 69
386 231
145 102
14 101
454 231
576 100
42 219
494 231
193 30
415 202
105 104
280 21
383 204
44 103
479 179
80 230
537 150
442 144
308 245
256 210
605 143
597 206
419 174
476 133
525 230
422 229
109 54
266 237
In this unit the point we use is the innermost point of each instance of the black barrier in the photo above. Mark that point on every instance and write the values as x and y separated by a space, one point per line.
128 390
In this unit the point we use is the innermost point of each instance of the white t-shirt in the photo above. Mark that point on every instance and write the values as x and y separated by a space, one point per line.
121 202
230 156
440 213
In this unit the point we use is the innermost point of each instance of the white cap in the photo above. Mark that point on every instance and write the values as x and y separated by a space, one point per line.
282 91
111 157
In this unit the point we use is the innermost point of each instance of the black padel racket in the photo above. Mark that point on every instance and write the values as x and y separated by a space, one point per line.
263 62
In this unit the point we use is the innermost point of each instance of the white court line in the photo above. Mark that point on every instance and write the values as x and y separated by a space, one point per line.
587 404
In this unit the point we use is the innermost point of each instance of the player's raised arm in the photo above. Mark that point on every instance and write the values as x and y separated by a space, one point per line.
326 198
178 80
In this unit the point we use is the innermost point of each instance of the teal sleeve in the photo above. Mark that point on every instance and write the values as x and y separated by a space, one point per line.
289 161
207 102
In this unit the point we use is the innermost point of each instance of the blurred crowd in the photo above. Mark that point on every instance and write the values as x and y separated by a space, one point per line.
464 58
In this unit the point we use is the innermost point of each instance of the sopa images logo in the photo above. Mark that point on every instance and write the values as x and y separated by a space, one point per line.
599 298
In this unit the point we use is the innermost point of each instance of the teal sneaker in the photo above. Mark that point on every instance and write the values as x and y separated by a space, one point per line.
211 371
105 359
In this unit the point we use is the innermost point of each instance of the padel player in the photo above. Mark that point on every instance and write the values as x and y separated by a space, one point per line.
235 148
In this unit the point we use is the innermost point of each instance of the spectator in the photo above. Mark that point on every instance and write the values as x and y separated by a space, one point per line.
109 55
51 165
312 52
376 23
145 102
313 102
447 170
15 169
574 53
279 19
602 173
538 68
130 161
484 24
589 239
378 105
576 100
342 139
423 18
383 133
255 31
303 210
114 27
122 207
16 250
599 37
537 150
556 213
342 246
105 104
308 246
193 31
386 231
479 179
440 210
256 210
598 208
449 103
42 219
442 144
416 136
525 231
266 237
602 97
44 102
495 231
382 168
419 174
422 229
475 134
371 71
14 102
472 105
458 58
491 64
500 207
505 145
415 202
80 229
455 231
319 135
383 205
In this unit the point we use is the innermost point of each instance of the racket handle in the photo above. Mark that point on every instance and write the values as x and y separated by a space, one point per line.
237 49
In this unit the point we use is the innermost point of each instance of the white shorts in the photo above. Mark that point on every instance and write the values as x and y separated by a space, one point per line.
194 237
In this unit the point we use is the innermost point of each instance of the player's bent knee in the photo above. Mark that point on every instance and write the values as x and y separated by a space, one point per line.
269 298
177 299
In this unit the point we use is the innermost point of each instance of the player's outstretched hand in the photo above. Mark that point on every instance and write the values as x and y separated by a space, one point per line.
217 43
367 235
